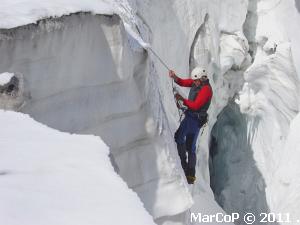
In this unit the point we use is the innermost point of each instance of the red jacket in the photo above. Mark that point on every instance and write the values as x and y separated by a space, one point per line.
204 95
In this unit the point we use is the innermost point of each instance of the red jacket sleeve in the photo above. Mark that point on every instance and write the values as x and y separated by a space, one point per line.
184 82
204 95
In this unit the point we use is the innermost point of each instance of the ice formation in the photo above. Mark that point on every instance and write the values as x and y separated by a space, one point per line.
92 74
252 137
5 78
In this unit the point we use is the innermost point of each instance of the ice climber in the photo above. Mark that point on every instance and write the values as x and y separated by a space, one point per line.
195 117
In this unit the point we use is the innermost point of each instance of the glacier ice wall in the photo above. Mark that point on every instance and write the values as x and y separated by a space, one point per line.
82 77
269 102
272 84
108 89
112 88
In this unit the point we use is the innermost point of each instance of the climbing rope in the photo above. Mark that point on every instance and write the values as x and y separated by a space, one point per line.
180 109
157 56
148 46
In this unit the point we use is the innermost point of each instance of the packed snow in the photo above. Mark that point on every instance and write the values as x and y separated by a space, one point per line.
5 78
21 12
50 177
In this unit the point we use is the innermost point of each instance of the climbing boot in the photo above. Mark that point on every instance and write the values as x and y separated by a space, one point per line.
190 179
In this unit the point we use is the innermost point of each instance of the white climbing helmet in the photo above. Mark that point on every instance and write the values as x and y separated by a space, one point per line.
198 72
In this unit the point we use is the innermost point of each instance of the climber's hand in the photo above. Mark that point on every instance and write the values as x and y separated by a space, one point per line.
172 74
178 97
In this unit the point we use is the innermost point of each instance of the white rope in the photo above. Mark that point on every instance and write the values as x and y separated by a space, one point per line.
173 87
157 56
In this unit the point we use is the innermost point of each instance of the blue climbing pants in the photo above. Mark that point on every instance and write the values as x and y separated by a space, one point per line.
186 139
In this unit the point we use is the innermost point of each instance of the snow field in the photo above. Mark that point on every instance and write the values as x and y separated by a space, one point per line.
50 177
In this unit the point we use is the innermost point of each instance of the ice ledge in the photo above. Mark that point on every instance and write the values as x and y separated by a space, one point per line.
18 13
5 78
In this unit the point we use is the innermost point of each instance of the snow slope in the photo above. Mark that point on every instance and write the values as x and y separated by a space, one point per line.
50 177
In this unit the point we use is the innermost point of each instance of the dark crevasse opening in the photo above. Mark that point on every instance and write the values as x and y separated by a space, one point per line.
236 181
